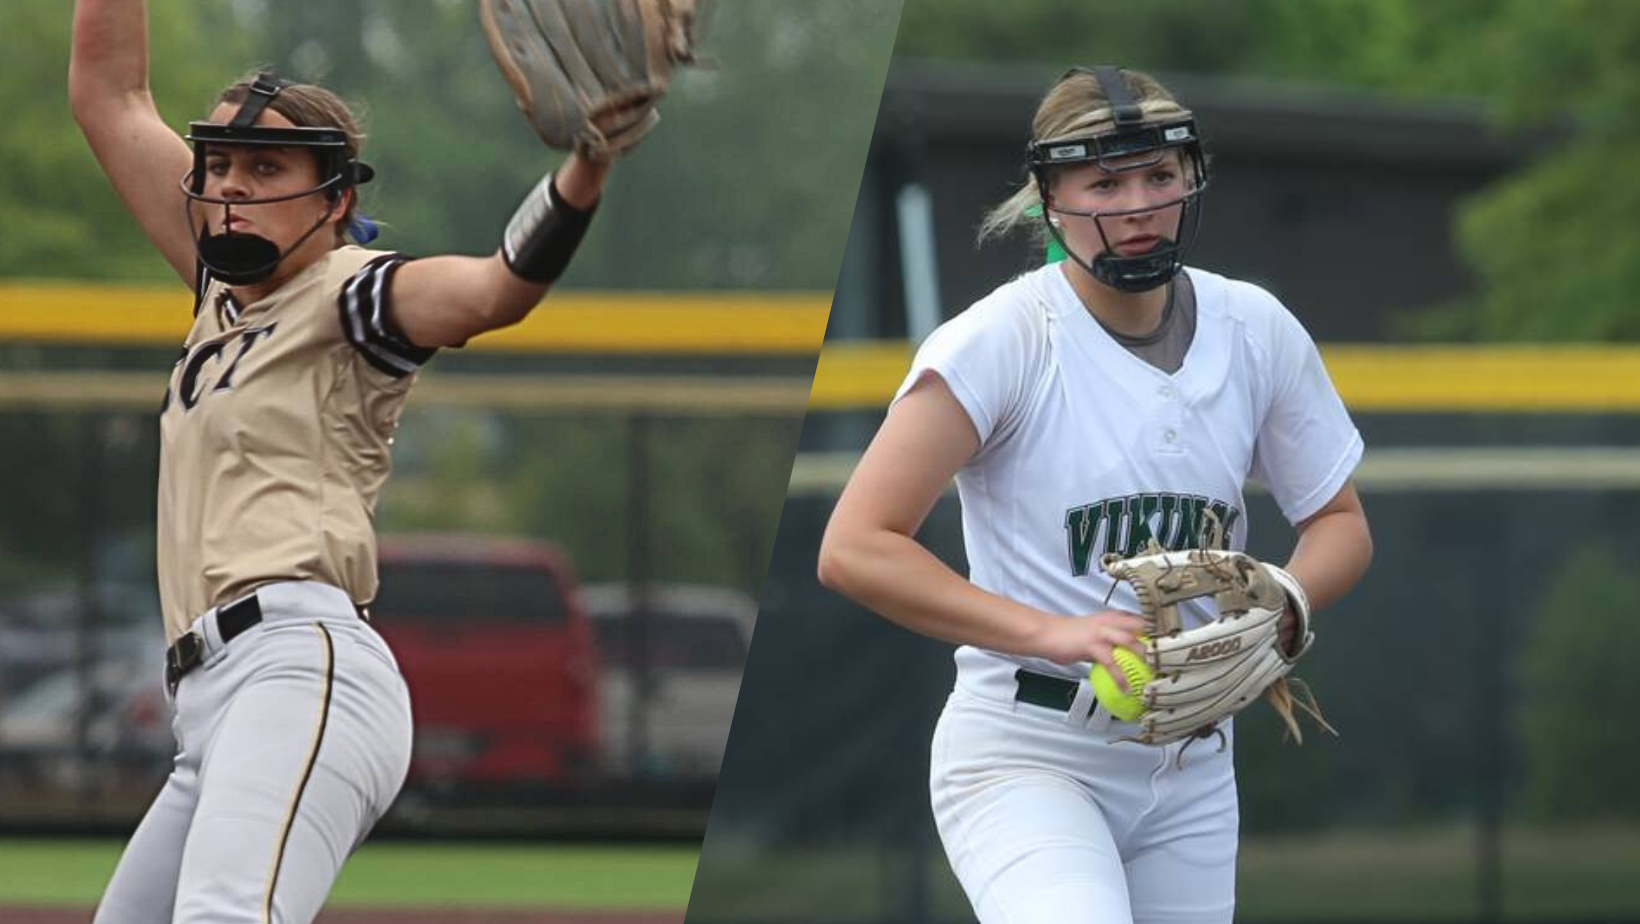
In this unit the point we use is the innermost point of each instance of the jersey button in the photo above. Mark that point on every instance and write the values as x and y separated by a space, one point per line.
1168 436
1166 391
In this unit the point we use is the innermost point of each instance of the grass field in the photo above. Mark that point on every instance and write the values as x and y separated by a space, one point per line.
1587 873
1582 873
1590 873
602 877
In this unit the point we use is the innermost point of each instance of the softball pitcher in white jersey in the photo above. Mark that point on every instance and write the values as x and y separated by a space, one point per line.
292 721
1086 408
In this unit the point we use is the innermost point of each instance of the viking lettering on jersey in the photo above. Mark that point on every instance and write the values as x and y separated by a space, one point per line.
1124 525
190 389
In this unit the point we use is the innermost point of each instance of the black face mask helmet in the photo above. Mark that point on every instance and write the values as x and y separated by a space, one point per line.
245 259
1137 145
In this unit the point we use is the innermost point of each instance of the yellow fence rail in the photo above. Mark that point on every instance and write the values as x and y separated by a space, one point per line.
646 323
1371 378
1396 469
851 375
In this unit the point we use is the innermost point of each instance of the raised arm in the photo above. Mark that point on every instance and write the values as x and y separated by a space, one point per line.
870 556
588 77
443 301
142 157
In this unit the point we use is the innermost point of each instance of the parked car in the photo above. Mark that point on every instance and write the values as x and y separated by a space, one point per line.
54 626
500 658
671 675
81 664
76 728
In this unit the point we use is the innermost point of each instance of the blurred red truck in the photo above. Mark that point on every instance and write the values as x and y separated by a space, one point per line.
500 657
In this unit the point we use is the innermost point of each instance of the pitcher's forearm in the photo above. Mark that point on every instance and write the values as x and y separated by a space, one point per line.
1332 554
110 51
896 577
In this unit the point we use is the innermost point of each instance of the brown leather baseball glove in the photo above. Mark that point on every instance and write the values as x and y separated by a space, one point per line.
588 73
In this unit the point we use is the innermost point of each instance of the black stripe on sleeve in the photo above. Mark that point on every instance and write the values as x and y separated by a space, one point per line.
366 319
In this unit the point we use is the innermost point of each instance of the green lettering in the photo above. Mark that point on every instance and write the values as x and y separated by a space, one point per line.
1189 528
1115 512
1140 508
1166 523
1227 520
1081 526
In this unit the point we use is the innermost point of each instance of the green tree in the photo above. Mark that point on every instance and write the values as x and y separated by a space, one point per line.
1552 246
59 215
708 513
1203 36
1575 677
740 186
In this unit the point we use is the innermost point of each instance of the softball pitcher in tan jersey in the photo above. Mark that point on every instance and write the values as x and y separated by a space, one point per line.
292 721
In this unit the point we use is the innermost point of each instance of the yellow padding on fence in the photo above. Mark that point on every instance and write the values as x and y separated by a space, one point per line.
1372 378
863 375
679 395
1496 378
687 323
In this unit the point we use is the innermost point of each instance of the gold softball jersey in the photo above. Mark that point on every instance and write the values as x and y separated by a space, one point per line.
275 433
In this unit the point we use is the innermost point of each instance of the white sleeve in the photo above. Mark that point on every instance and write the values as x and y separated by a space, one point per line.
1307 446
985 355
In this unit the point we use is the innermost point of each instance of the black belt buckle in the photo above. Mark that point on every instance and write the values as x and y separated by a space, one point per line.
183 656
188 652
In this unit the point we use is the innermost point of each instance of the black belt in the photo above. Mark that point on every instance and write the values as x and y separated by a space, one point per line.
1054 693
188 652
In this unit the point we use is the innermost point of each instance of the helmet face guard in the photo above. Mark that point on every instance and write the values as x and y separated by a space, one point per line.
245 259
1130 144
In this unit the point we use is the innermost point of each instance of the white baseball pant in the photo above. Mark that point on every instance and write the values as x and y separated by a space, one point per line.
292 741
1045 819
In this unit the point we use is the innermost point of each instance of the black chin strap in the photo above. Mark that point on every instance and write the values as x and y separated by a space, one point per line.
1138 273
246 259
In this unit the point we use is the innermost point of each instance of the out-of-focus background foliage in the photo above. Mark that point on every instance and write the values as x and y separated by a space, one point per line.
1547 243
1442 192
738 188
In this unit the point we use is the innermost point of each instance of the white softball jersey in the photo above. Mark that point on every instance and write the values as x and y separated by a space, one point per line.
1045 813
1086 449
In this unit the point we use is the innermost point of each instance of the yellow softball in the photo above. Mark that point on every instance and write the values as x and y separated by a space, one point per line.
1125 706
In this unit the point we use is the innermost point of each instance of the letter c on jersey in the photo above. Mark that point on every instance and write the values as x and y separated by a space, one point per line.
189 388
187 385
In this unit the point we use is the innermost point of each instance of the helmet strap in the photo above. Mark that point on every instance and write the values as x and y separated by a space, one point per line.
1125 111
262 91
